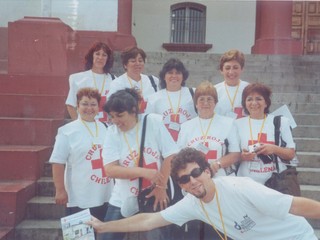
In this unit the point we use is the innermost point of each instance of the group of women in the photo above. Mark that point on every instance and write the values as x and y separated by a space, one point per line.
98 166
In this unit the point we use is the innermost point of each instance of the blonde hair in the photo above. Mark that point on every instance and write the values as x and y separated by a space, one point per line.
205 88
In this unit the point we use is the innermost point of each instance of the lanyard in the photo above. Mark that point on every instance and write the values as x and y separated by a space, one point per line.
262 126
205 134
89 130
175 112
95 83
220 214
131 84
235 94
137 140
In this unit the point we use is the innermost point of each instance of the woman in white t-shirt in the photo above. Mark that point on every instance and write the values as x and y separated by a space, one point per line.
230 90
98 63
133 60
78 174
121 157
257 135
174 102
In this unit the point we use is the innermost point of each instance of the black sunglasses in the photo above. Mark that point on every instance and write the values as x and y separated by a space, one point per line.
186 178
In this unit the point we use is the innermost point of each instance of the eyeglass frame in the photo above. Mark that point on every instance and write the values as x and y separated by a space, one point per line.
195 173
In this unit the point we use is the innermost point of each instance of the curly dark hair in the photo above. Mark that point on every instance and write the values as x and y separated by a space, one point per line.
259 88
96 47
185 156
125 100
173 63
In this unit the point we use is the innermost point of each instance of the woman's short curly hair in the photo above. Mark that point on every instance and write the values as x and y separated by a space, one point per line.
173 63
96 47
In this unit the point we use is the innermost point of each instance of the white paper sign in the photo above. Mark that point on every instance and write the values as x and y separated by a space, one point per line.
285 111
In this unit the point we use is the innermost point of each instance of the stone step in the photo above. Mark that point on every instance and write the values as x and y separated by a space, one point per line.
25 84
44 208
307 144
299 107
14 196
307 119
28 131
309 159
309 176
38 230
310 191
33 106
6 233
311 131
295 97
22 162
45 187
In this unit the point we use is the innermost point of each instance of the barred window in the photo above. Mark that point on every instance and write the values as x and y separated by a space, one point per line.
188 23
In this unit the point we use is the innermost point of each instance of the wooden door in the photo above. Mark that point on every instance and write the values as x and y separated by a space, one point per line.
306 25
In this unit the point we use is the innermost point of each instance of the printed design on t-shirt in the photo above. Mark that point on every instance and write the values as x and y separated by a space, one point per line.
255 164
245 225
142 105
150 161
214 149
239 112
95 156
174 118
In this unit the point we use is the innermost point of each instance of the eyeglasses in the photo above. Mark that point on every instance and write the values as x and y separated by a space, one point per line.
194 173
203 100
89 105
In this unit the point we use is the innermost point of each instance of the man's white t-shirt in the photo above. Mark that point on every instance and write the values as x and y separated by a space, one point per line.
85 180
224 106
248 209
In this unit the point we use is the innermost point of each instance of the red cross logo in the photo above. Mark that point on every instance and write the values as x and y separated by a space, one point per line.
145 182
211 154
142 106
174 133
98 164
263 139
104 117
238 111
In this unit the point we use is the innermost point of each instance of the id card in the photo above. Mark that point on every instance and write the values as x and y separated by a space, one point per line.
174 126
254 166
202 148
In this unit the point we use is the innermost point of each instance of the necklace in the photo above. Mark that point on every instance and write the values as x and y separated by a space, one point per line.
220 214
137 141
95 83
261 129
235 94
131 84
89 130
175 112
206 133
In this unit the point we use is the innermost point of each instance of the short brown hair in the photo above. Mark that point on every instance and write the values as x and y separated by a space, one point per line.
232 55
96 47
259 88
132 52
88 92
205 88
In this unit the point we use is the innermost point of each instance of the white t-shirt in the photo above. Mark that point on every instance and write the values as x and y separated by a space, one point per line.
158 144
192 134
172 114
249 211
256 169
86 79
144 84
224 106
85 180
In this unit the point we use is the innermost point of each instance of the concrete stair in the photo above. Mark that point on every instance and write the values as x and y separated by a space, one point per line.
294 81
32 108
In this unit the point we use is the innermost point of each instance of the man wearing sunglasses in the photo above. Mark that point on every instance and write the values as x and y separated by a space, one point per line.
236 206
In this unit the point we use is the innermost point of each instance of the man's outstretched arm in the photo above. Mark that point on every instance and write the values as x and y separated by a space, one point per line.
305 207
140 222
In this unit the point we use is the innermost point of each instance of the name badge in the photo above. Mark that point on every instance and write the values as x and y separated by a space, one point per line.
202 148
174 126
255 166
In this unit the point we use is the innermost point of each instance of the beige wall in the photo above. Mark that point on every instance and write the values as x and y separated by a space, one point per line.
230 24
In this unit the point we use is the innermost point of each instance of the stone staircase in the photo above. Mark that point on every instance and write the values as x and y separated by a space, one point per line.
294 80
